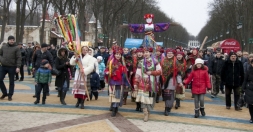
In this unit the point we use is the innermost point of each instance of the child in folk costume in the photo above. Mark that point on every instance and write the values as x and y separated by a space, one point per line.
88 63
146 82
116 76
134 64
181 70
200 84
170 78
137 61
159 57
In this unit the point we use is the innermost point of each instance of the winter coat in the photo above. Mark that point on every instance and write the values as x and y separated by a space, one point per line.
10 55
215 66
101 67
54 53
23 56
246 67
60 64
43 75
94 81
232 73
248 86
242 60
200 80
29 54
39 56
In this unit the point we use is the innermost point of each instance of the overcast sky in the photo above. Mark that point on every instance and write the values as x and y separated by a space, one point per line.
192 14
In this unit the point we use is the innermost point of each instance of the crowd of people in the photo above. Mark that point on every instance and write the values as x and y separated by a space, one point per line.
143 73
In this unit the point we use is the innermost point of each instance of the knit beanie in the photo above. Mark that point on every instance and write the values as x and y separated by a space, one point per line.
199 61
11 37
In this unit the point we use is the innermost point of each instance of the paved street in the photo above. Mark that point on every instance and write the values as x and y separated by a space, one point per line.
22 115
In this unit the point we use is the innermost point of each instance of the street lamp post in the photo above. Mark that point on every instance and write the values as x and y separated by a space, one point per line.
240 26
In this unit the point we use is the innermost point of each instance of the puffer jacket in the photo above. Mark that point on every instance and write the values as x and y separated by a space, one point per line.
200 82
216 65
101 67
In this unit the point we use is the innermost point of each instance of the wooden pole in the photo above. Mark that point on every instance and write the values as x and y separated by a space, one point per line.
203 43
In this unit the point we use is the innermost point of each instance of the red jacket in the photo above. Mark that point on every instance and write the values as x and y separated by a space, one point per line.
200 81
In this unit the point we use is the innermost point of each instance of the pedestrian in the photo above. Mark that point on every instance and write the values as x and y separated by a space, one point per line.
53 51
39 55
248 89
87 62
43 79
215 67
232 74
94 84
247 64
240 57
103 54
181 75
146 82
62 80
116 78
23 62
101 67
10 59
29 54
200 84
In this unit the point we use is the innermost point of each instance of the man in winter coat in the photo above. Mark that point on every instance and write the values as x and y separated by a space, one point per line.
39 55
215 66
53 51
232 75
29 54
103 54
240 57
23 56
10 59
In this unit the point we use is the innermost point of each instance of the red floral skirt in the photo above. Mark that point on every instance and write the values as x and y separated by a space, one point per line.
80 96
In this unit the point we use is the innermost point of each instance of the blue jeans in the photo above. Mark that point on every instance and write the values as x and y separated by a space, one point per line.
11 70
28 64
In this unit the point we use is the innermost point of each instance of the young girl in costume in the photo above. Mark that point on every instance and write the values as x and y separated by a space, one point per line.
200 84
146 82
116 74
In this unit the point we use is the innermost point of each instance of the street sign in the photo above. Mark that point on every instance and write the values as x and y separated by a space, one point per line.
250 40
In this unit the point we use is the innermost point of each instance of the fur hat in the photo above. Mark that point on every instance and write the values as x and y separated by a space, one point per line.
199 61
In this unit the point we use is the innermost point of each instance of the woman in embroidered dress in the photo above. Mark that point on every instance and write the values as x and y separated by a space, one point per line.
159 57
146 82
88 63
116 77
170 79
181 69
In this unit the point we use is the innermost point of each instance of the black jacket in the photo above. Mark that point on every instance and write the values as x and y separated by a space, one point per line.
54 53
10 55
29 54
23 56
60 64
216 65
39 56
94 81
232 73
248 86
242 60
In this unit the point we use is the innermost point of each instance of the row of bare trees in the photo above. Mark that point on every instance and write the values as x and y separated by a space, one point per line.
230 19
111 13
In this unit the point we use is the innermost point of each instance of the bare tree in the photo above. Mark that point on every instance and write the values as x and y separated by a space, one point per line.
5 4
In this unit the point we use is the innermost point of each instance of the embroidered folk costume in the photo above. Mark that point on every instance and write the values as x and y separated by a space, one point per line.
159 57
181 71
116 76
146 82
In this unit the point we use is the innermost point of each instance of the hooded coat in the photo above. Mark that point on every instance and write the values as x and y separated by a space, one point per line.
60 64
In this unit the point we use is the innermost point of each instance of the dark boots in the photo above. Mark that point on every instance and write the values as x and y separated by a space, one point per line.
166 113
138 107
62 97
59 93
37 101
202 111
82 104
114 109
110 107
157 98
196 113
78 102
177 103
